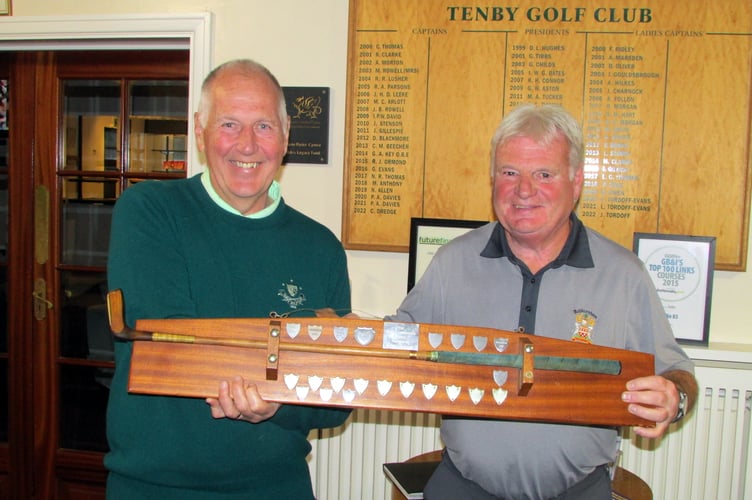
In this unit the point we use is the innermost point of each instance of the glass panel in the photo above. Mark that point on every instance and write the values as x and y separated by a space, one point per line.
3 142
85 334
158 126
90 178
83 402
3 354
3 213
88 188
3 104
86 232
4 400
91 113
3 173
3 311
84 330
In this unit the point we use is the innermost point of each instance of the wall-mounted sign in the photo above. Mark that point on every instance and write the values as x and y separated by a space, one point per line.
308 108
682 270
662 89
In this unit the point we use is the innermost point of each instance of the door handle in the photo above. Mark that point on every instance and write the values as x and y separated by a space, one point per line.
41 304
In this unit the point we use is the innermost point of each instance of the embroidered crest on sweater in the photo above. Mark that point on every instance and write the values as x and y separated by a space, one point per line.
292 294
584 324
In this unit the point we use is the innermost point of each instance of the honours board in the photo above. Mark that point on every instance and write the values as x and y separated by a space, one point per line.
662 90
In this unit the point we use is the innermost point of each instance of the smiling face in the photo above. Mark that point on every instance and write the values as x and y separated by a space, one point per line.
243 137
533 194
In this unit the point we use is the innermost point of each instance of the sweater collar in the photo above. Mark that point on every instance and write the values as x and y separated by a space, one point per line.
274 194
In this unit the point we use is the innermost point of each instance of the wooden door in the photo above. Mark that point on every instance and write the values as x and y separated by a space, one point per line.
81 128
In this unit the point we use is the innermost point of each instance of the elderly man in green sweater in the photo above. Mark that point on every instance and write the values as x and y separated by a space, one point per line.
220 244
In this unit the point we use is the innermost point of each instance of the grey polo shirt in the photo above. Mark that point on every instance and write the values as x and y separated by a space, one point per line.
595 289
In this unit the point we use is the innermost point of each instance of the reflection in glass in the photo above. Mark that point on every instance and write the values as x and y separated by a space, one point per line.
3 149
3 216
158 126
4 400
91 111
3 352
85 334
86 232
84 330
3 104
89 188
99 159
3 311
83 403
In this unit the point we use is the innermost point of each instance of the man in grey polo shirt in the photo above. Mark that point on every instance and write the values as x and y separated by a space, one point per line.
540 269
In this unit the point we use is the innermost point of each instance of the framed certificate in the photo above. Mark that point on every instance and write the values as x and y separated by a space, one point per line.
682 270
427 236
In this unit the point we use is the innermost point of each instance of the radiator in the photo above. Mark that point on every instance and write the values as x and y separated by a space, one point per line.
346 461
704 457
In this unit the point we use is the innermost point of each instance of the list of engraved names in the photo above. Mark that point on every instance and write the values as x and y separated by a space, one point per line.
382 140
620 82
651 84
616 81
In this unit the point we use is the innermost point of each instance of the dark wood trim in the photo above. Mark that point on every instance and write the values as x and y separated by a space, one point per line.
46 337
81 476
144 65
20 253
81 465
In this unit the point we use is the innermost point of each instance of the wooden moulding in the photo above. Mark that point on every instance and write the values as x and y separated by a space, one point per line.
357 379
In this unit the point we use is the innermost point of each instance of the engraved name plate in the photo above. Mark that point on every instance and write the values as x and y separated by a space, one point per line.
401 336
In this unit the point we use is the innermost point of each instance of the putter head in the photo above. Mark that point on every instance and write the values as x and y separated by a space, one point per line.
116 312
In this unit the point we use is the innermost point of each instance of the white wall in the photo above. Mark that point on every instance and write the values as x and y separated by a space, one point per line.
305 44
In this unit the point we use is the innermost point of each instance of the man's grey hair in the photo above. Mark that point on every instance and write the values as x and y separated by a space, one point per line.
247 67
542 124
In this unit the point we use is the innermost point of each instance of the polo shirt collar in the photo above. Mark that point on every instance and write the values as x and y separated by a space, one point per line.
576 251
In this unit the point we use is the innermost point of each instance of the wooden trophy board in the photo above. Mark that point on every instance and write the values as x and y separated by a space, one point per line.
367 363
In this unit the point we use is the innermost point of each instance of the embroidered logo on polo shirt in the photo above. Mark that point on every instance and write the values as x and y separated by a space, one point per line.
584 323
292 294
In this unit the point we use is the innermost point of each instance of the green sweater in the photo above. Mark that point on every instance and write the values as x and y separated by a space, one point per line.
175 253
